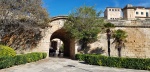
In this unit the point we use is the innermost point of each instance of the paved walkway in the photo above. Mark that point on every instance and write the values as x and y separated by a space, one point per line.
63 65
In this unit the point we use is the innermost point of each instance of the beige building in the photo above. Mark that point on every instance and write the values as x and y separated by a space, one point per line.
135 12
112 13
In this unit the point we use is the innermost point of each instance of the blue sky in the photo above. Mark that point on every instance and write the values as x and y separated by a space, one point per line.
64 7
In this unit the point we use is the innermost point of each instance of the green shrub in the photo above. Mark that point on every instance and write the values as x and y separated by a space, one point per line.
92 59
20 59
80 57
6 51
44 55
133 63
8 61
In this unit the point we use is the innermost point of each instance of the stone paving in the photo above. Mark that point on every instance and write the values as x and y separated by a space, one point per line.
64 65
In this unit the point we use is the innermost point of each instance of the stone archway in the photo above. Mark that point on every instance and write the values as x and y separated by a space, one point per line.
55 31
69 44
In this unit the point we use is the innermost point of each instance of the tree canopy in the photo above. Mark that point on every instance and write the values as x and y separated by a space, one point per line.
109 25
120 35
84 24
24 9
21 22
119 40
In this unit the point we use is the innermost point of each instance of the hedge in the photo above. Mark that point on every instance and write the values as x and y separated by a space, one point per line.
6 51
8 61
132 63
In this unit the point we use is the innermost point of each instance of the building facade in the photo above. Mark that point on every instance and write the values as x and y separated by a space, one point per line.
129 12
135 12
112 13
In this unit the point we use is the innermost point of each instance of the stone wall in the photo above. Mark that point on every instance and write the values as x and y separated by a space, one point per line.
137 46
138 41
130 22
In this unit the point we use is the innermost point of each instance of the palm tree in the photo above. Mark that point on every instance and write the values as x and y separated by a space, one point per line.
119 39
108 31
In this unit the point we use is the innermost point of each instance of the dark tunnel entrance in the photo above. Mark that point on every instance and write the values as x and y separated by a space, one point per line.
68 43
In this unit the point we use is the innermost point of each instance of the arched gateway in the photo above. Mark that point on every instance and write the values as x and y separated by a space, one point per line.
56 31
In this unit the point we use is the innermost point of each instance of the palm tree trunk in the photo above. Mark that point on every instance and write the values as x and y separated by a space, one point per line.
108 40
108 47
119 52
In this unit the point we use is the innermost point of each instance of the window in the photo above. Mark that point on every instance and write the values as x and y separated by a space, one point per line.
146 14
118 10
142 13
115 9
112 9
109 9
137 13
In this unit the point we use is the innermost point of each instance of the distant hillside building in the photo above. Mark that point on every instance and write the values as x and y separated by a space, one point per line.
112 13
135 12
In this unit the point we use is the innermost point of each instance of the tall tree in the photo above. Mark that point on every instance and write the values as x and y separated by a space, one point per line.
84 24
108 31
119 39
21 22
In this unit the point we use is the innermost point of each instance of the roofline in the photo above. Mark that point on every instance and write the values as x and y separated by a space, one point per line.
139 6
128 8
135 7
147 8
58 17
